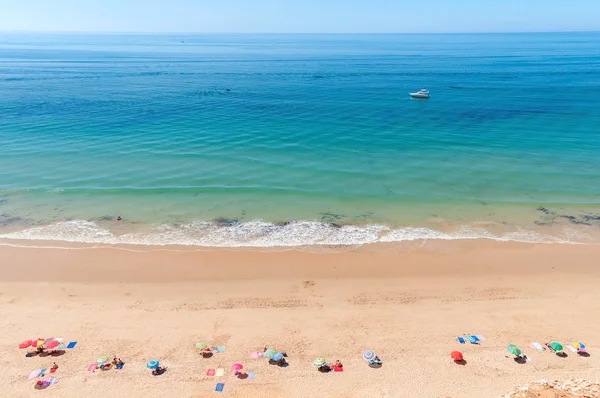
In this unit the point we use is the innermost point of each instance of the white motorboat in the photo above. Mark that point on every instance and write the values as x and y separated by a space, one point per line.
420 94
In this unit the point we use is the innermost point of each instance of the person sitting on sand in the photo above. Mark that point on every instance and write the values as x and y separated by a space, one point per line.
338 364
206 352
159 370
375 361
54 365
114 361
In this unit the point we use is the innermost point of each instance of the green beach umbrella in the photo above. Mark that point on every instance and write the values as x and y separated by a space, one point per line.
201 346
556 346
270 353
513 349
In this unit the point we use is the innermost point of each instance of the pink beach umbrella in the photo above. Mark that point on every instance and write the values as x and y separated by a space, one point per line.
52 344
237 367
26 343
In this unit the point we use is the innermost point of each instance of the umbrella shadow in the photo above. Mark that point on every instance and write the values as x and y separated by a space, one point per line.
206 355
57 353
561 354
375 365
277 363
461 362
584 354
521 360
242 376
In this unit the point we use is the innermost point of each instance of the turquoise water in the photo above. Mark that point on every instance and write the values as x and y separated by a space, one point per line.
317 140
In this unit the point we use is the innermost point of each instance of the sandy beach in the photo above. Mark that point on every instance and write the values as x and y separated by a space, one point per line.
406 303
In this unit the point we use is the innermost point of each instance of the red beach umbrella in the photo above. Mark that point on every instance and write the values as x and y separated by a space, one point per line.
26 343
457 356
52 344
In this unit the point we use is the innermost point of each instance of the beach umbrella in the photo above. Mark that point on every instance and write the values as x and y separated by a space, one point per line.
102 360
39 343
456 355
34 374
237 366
61 346
319 362
152 364
556 346
513 349
26 343
278 357
578 345
201 345
52 344
369 355
270 353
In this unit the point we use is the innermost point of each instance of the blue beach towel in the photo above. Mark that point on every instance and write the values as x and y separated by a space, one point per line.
219 387
475 337
461 340
471 340
72 344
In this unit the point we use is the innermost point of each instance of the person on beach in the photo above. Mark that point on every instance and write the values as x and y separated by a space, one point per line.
119 218
54 366
206 352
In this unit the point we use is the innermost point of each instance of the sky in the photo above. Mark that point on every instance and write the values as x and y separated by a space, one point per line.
300 16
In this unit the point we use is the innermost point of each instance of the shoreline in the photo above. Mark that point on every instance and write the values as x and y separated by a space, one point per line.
407 304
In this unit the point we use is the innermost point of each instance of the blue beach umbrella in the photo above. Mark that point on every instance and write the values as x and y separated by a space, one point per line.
369 355
278 357
152 364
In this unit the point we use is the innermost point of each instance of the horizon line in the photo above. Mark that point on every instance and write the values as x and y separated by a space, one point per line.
290 33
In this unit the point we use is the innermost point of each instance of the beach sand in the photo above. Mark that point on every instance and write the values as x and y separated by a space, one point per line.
408 303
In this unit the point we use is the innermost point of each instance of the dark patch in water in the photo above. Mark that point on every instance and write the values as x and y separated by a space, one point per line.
226 222
3 201
331 217
282 223
552 216
6 220
335 225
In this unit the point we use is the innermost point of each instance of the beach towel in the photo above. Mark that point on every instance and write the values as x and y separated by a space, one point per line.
53 380
255 355
337 368
72 344
474 337
210 372
220 372
251 375
471 340
480 337
219 387
92 367
221 348
53 370
43 372
537 346
571 348
461 340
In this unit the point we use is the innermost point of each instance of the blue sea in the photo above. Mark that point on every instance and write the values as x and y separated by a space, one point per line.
295 140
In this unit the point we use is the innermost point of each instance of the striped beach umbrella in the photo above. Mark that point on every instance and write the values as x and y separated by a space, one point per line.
369 355
101 360
578 345
513 349
319 362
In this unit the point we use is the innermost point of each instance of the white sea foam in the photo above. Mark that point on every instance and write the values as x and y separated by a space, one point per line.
264 234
